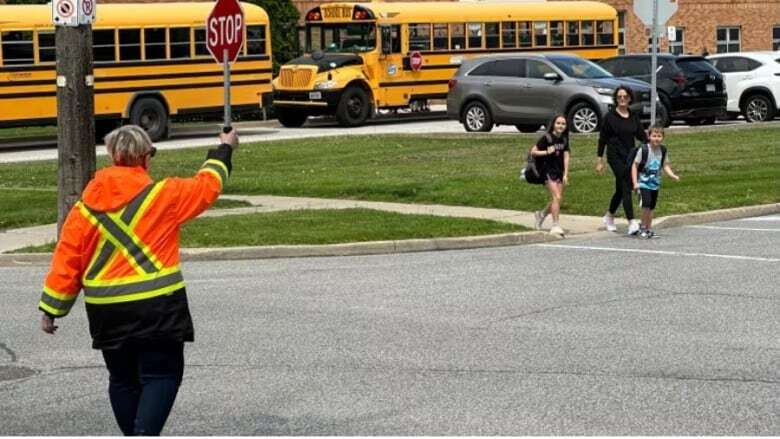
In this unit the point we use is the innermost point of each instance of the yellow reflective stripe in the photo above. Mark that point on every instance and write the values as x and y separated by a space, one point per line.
214 173
109 263
110 237
144 248
131 279
52 311
57 295
145 205
219 163
134 297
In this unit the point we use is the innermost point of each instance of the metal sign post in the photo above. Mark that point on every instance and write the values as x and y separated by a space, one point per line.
654 64
226 64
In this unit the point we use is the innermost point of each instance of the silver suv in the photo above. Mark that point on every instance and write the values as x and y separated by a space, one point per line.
527 90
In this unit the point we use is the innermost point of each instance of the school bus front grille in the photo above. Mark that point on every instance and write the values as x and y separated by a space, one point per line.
296 78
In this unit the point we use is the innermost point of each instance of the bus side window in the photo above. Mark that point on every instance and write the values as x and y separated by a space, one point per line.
606 35
556 33
587 33
458 36
129 44
255 40
419 37
509 34
440 37
573 33
103 45
154 43
200 42
180 42
46 47
18 48
526 39
540 34
475 36
492 36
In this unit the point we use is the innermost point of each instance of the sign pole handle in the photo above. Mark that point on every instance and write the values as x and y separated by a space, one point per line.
654 64
226 65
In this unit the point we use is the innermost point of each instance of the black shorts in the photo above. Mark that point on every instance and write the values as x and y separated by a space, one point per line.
648 198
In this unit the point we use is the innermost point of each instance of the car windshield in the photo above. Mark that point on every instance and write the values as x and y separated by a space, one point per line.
341 37
580 68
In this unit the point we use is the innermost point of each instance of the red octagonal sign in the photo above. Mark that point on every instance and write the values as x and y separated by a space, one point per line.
415 61
225 30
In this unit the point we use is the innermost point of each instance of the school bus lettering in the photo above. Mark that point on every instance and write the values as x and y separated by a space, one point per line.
338 12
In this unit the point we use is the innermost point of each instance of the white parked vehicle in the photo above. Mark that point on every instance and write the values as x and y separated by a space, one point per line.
752 83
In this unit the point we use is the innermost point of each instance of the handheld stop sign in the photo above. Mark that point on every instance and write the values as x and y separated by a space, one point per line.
224 40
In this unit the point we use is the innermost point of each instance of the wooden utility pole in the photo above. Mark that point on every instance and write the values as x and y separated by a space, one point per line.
75 116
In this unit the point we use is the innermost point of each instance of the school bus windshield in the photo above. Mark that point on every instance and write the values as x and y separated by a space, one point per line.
341 37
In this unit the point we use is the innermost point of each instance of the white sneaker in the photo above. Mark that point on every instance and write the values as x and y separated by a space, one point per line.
609 222
538 219
556 230
633 227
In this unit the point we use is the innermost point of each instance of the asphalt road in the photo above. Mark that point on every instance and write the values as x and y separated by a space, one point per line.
617 336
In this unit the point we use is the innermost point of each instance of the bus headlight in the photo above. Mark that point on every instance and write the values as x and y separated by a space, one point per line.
324 85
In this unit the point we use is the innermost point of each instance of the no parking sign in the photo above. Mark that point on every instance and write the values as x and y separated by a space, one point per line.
72 12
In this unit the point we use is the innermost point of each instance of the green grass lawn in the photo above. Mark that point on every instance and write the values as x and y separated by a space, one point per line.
22 132
323 227
721 168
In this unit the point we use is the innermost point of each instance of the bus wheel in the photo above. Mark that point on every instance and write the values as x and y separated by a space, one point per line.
150 114
291 118
353 108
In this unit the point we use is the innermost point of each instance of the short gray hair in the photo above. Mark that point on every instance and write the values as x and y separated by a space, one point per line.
128 145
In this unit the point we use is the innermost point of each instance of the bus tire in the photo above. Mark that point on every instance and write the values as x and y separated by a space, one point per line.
150 114
354 107
291 118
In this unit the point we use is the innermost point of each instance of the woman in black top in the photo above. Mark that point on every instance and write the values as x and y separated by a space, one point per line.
618 132
552 159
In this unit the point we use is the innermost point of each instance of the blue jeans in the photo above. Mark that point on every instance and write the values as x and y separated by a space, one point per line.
143 383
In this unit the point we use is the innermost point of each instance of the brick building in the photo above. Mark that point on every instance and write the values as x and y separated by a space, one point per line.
714 25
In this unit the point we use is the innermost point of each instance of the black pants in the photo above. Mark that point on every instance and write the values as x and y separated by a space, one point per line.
622 189
143 383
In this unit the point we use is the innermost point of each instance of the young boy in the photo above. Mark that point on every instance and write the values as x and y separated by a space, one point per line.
647 178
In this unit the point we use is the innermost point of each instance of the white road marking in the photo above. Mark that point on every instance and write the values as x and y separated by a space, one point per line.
763 218
733 228
659 252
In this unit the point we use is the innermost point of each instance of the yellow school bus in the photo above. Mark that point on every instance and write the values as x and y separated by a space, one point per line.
150 65
360 57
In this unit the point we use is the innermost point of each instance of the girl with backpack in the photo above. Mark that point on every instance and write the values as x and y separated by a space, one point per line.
552 160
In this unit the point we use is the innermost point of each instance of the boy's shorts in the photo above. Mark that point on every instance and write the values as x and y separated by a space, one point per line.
647 198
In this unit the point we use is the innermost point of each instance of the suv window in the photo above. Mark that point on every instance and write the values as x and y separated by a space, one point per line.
609 65
696 65
635 67
537 69
503 67
483 70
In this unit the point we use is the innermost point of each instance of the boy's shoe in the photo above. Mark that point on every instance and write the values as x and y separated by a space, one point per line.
646 234
556 230
538 219
651 234
633 227
609 222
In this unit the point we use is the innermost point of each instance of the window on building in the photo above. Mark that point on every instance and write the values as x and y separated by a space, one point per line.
492 36
524 32
556 33
540 33
458 36
200 42
776 38
728 39
622 32
103 45
47 49
419 37
586 28
677 46
255 40
18 48
154 43
129 44
475 35
180 42
572 33
440 37
606 33
509 34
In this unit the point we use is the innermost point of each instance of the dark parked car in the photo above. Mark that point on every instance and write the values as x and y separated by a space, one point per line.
690 87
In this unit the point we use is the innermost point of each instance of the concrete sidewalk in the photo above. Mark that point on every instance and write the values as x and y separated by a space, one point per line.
572 224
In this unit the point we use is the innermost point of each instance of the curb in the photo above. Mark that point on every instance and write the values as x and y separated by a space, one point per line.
300 251
690 219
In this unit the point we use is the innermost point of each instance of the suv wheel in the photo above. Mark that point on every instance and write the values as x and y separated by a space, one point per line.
583 118
527 128
758 108
476 117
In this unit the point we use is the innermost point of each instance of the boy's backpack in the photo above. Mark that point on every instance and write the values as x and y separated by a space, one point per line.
645 151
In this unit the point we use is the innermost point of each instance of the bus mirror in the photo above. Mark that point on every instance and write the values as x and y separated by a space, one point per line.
387 40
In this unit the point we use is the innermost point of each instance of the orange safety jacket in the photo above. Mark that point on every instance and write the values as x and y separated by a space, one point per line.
120 244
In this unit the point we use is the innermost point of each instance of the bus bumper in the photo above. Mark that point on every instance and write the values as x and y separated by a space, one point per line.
314 102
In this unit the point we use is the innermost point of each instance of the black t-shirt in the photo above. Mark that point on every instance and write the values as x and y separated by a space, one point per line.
618 133
552 162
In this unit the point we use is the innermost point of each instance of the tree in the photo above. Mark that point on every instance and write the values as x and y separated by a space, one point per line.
284 32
